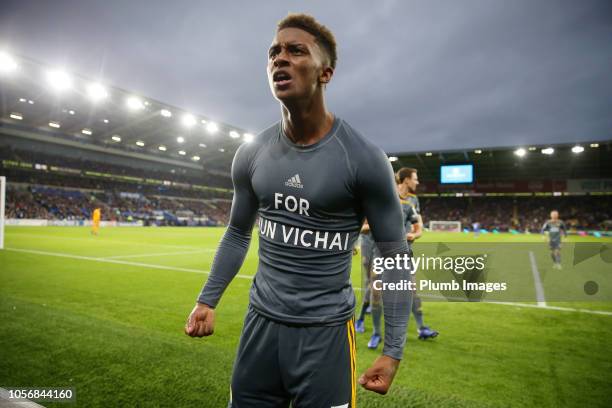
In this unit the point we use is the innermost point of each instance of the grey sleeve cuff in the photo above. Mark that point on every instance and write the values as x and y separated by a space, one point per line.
228 260
396 303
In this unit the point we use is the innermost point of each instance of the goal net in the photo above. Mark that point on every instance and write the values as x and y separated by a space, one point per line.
445 226
2 201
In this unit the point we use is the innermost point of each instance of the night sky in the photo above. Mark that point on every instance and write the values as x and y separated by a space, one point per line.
411 75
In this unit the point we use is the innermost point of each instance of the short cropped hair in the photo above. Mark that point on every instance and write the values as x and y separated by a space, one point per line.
404 173
324 37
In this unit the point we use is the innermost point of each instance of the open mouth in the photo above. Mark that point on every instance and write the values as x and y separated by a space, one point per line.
281 78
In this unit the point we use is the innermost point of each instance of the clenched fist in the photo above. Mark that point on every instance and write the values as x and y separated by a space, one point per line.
201 321
379 376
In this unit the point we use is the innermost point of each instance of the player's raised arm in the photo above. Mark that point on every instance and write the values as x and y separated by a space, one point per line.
383 211
232 248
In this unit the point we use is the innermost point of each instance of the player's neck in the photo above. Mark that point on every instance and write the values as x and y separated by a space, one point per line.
404 191
306 123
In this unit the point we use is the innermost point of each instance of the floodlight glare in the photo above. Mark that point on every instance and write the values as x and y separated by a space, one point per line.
429 154
520 152
54 125
140 143
212 127
478 151
59 80
87 132
180 139
248 137
96 92
393 158
162 148
195 158
182 152
221 150
166 113
577 149
532 148
7 63
71 112
234 135
548 151
134 103
116 138
16 116
105 120
23 100
594 145
202 145
188 120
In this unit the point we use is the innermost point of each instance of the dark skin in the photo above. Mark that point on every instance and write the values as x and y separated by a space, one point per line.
298 70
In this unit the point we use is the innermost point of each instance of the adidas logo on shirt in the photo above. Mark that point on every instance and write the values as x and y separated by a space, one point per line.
294 182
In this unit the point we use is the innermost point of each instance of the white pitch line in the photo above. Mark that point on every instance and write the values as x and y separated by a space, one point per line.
116 261
172 268
149 254
537 282
98 240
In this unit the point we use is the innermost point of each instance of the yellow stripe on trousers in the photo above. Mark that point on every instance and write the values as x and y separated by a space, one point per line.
350 330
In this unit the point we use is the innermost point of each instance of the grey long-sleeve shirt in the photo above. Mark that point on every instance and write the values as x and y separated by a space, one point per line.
311 202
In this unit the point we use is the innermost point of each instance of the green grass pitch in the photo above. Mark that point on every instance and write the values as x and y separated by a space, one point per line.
105 315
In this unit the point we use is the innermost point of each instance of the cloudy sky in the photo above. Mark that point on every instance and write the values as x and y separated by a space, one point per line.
412 75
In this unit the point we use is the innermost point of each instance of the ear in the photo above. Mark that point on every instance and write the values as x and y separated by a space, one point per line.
326 75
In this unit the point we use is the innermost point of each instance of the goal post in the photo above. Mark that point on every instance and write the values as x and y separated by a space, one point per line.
445 226
2 203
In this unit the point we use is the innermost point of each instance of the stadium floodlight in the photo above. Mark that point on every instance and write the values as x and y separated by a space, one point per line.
195 158
59 80
429 154
202 145
577 149
31 102
532 148
7 63
203 121
222 150
162 148
134 103
116 138
180 139
24 100
16 116
520 152
594 145
54 125
71 112
105 120
165 113
233 134
212 127
182 152
548 151
248 137
140 143
96 92
478 151
188 120
393 158
87 132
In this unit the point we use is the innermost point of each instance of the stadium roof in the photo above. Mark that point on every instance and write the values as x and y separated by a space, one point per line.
49 104
555 161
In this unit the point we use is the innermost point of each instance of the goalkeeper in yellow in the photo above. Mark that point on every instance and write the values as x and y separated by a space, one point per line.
95 221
